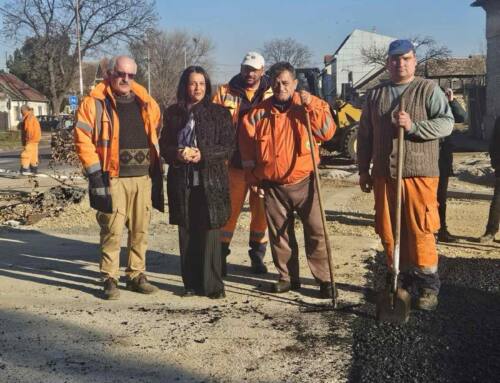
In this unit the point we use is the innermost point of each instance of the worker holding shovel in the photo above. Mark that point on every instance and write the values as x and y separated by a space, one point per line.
418 110
276 155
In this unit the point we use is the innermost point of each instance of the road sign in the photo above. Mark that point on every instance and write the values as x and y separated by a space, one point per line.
73 102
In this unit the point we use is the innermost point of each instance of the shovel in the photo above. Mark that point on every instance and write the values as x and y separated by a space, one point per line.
323 218
393 305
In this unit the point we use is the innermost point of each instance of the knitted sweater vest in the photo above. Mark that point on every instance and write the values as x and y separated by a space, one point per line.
420 156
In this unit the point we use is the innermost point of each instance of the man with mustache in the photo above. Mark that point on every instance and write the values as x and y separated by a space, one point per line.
240 95
276 156
116 137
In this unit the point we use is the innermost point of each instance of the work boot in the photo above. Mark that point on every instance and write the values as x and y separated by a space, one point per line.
111 291
225 251
445 236
34 169
427 300
283 286
218 295
24 171
140 284
256 253
325 290
487 237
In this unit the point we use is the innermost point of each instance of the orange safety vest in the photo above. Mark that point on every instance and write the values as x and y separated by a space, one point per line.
97 128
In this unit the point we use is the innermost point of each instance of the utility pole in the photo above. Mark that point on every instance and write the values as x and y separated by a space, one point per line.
149 72
78 45
185 59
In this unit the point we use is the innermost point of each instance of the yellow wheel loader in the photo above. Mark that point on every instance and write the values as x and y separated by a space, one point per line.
346 115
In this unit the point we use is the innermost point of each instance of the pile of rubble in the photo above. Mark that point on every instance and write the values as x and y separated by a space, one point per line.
63 148
18 208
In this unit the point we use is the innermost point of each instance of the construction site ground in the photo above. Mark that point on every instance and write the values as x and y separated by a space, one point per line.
55 327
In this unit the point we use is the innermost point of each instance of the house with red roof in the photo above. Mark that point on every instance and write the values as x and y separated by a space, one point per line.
13 94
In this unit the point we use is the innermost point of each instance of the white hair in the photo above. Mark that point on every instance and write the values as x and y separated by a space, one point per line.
112 62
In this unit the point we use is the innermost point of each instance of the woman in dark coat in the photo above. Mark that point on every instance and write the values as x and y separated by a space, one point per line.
197 141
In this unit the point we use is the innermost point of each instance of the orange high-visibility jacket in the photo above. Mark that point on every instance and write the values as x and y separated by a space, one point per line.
31 133
231 98
97 128
275 147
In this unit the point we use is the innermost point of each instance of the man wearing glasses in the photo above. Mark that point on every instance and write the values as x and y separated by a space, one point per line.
116 137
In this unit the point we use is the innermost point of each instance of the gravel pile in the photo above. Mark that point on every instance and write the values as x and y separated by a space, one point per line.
457 343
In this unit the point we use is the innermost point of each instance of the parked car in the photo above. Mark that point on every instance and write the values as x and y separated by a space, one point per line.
51 123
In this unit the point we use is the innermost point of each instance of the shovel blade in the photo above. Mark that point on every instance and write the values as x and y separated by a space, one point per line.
393 308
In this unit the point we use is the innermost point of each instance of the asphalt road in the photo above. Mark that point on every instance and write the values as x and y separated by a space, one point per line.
9 161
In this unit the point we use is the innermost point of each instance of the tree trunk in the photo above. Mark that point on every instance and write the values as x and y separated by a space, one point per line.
55 103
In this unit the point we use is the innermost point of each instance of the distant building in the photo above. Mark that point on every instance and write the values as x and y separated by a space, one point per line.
347 65
13 94
492 8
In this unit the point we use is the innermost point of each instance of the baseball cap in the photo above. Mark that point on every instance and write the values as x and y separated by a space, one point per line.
253 59
400 47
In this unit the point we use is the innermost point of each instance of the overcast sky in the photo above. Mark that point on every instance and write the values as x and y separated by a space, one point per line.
237 26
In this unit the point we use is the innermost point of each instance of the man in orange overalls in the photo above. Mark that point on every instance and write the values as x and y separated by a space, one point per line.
421 108
30 136
240 95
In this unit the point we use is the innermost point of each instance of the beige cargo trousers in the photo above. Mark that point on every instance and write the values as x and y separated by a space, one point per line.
132 207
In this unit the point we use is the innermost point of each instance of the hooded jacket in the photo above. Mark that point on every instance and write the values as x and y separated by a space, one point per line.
97 132
234 98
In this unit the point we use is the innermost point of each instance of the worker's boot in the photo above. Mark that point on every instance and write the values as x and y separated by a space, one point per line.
24 171
488 237
444 235
427 300
34 169
140 284
283 286
256 253
111 291
225 251
325 290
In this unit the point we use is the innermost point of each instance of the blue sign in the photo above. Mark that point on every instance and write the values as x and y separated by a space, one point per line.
73 100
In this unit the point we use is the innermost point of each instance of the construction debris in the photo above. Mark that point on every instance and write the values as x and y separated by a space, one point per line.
63 148
29 208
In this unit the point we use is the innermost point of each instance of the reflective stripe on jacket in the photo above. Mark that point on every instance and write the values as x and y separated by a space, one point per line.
275 147
232 99
97 128
32 133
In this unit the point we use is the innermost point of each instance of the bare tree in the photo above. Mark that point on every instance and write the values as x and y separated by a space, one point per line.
169 53
426 48
102 22
289 50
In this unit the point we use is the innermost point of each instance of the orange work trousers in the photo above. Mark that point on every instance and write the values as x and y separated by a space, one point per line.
238 188
29 155
419 221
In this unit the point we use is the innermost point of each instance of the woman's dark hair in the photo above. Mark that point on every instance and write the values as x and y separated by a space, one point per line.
182 96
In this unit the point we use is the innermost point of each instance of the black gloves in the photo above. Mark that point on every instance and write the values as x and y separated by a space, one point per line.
99 193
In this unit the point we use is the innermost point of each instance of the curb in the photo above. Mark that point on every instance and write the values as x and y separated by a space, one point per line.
467 194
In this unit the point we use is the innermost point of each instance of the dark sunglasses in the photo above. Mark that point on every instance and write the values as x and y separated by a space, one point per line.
124 75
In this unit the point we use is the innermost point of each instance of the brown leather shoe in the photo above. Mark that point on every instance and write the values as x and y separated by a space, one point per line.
325 290
140 284
111 291
283 286
445 236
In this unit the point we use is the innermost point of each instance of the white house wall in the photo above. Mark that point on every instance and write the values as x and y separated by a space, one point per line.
39 108
349 57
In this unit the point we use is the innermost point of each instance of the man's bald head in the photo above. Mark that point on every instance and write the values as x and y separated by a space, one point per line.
121 73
